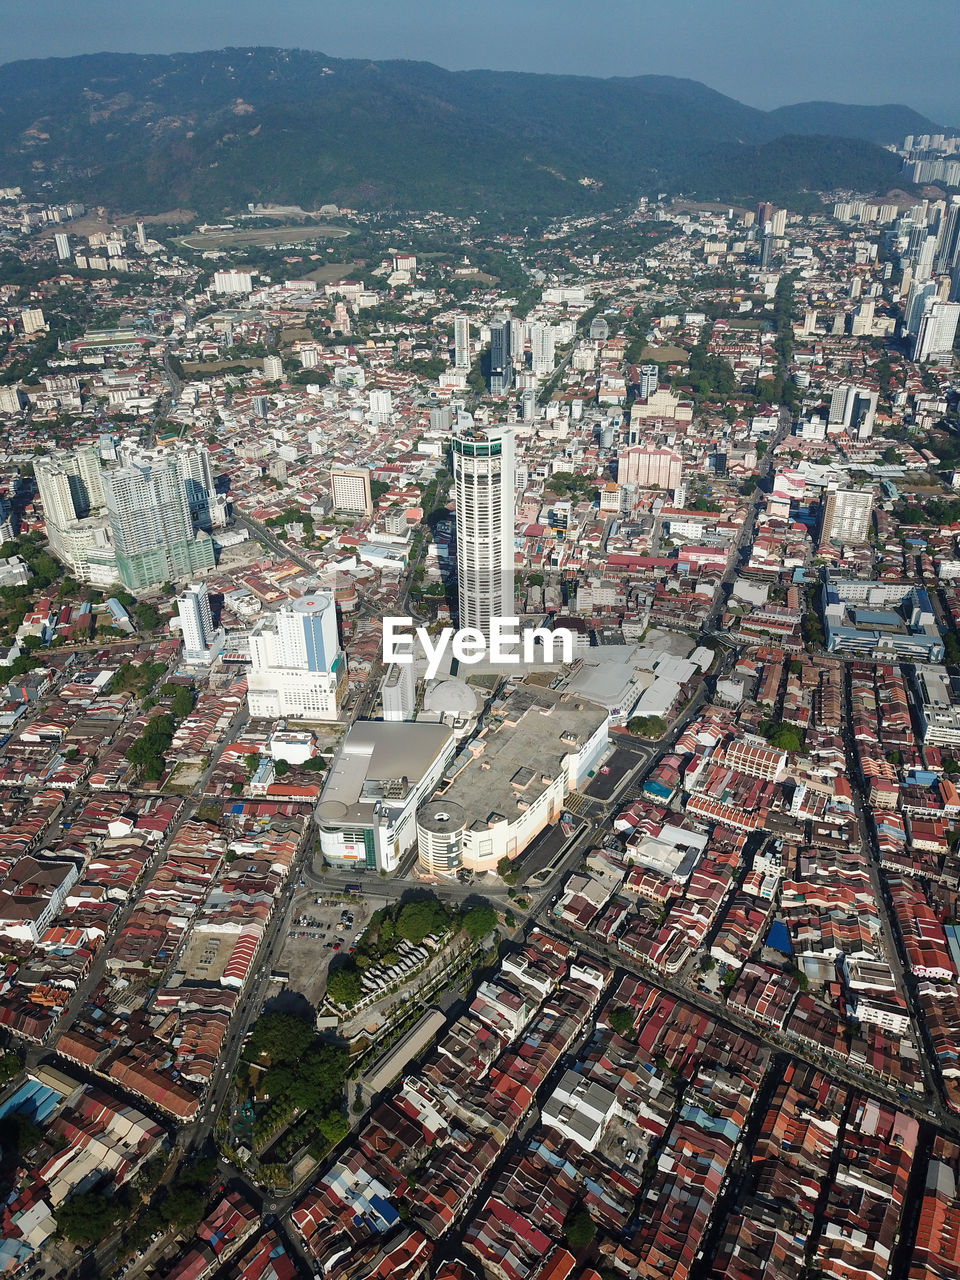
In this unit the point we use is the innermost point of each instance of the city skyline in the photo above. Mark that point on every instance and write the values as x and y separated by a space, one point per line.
785 60
480 618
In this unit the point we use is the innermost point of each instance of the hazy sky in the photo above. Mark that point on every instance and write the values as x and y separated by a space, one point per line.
764 52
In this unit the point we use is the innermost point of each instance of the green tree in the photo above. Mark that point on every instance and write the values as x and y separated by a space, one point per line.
334 1126
281 1037
148 619
89 1216
343 985
647 726
420 918
622 1020
579 1228
182 703
479 921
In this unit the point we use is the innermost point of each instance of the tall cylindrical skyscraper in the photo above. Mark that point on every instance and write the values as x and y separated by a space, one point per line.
483 472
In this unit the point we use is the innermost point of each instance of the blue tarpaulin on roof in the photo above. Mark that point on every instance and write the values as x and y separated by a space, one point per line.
779 939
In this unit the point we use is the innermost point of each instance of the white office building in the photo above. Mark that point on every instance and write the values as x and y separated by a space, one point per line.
484 471
297 666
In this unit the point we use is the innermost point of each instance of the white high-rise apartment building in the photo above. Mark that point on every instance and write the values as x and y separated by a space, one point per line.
648 467
232 282
854 408
649 380
399 691
272 368
846 517
350 490
11 400
32 319
63 245
918 296
461 342
924 261
484 470
341 319
151 509
78 531
936 331
297 666
542 346
201 641
381 406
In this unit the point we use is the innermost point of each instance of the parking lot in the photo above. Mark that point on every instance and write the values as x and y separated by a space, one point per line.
317 931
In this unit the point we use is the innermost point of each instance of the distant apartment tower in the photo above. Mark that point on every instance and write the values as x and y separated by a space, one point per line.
208 510
461 342
350 490
12 400
923 262
648 467
62 242
854 408
919 295
272 368
77 530
398 691
341 319
381 406
32 320
201 640
948 239
542 348
484 473
297 666
846 517
151 523
501 369
649 380
232 282
936 332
